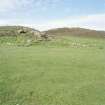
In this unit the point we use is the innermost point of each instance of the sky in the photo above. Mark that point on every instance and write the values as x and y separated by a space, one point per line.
47 14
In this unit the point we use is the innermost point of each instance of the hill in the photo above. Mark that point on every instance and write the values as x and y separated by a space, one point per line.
18 30
15 30
76 32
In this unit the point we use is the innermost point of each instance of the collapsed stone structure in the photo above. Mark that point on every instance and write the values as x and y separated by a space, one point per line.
37 35
30 33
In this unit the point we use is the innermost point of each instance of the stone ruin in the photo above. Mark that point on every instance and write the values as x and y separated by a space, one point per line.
37 35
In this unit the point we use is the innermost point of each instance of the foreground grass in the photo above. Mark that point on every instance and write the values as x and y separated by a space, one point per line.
62 72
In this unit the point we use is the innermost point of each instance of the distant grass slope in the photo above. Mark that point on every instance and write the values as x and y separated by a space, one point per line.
80 32
66 71
13 30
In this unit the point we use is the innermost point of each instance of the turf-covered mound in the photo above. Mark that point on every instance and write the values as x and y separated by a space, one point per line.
81 32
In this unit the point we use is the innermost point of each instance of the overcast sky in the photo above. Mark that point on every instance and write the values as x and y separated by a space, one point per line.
46 14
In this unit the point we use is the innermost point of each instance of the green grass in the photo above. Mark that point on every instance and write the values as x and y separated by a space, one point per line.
66 71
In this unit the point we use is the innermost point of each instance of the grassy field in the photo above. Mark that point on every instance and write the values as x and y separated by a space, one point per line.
65 71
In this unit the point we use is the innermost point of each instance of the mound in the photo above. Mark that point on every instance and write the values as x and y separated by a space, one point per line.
75 32
17 30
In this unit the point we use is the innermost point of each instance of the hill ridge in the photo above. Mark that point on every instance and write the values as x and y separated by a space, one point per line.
75 31
64 31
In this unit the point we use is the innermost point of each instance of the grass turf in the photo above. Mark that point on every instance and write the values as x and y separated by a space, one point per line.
68 71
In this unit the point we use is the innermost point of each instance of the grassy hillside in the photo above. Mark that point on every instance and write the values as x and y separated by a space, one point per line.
66 71
80 32
13 30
